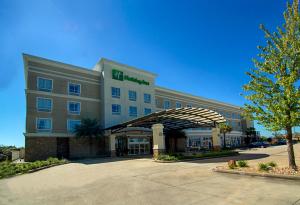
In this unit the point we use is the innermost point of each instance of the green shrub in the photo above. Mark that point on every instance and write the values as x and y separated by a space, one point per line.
263 167
166 157
272 164
242 163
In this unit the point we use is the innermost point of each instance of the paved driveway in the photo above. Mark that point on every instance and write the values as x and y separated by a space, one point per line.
142 181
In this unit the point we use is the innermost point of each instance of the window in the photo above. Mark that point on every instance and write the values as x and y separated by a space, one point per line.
228 115
178 105
44 104
188 105
147 98
115 92
74 89
132 95
72 125
132 111
44 124
116 109
44 84
166 104
147 111
74 108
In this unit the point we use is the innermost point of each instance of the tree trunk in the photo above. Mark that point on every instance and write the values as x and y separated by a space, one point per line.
290 148
224 139
90 146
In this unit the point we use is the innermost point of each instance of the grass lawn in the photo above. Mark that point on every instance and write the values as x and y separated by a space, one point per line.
8 168
176 157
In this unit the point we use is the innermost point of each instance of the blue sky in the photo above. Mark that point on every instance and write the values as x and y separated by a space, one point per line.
200 47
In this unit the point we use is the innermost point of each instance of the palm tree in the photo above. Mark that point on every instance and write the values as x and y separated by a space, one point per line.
225 128
89 128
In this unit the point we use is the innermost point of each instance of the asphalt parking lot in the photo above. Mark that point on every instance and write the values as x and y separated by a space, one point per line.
142 181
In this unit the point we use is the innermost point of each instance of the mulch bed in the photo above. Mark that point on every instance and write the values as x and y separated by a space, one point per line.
275 172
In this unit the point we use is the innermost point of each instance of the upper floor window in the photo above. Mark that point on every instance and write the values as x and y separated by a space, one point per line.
188 105
44 124
147 98
178 105
147 111
44 84
74 89
44 104
132 95
166 104
132 111
116 109
74 108
72 124
115 92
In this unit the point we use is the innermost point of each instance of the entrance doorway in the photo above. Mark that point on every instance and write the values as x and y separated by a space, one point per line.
62 147
138 145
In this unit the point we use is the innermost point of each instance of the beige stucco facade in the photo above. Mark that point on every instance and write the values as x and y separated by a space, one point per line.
96 102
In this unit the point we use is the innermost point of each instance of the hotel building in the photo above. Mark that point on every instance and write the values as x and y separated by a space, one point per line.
59 95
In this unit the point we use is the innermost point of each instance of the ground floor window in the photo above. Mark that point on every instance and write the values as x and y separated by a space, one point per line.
199 142
138 145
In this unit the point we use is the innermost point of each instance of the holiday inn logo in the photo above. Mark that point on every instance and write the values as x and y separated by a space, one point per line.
119 75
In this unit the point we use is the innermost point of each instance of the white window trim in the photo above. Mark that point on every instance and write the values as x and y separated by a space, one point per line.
68 88
37 83
178 103
40 130
164 105
147 109
134 100
68 127
70 113
150 98
133 115
114 96
37 104
116 113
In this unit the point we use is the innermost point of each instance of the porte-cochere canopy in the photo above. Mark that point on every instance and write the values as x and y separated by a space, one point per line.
177 118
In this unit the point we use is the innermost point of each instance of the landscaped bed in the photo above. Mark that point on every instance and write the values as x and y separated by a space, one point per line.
194 156
8 168
269 169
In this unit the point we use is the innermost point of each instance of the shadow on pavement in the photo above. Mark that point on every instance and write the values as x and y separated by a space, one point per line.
241 156
90 161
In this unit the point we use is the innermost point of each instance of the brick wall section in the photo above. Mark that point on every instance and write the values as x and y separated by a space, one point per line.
79 147
40 148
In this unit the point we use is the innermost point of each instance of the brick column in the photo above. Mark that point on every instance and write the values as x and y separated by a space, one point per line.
112 145
158 140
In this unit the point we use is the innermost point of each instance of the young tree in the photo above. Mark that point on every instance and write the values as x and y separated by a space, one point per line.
273 89
88 128
225 128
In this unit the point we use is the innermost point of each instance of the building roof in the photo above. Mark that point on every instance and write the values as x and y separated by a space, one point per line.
177 118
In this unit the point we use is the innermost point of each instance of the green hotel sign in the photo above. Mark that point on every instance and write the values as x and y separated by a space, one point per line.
119 75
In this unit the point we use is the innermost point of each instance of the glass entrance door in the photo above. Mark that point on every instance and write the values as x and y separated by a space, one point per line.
138 145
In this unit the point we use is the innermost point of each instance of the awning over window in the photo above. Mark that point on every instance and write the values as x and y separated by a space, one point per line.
178 118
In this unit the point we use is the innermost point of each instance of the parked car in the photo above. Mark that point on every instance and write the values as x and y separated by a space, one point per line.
281 142
259 145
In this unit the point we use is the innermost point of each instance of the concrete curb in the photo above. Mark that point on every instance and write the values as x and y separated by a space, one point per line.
290 177
195 159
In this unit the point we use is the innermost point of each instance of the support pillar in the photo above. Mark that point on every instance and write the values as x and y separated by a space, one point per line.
216 139
158 140
112 145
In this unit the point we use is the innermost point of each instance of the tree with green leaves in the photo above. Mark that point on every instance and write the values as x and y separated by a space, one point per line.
250 133
89 128
224 129
273 90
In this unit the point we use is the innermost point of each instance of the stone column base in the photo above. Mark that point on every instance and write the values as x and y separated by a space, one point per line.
113 153
157 152
217 148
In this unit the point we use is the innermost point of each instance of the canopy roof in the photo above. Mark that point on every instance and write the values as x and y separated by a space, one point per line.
177 118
